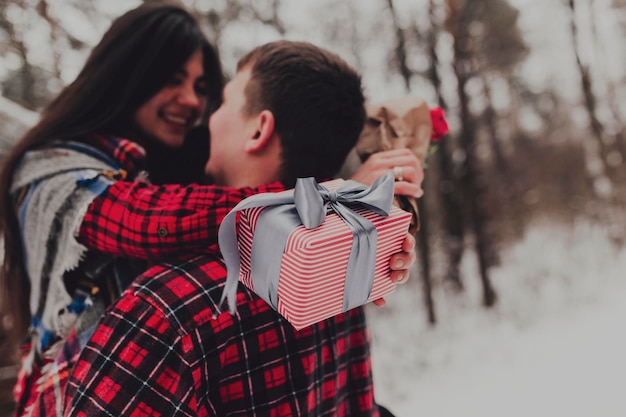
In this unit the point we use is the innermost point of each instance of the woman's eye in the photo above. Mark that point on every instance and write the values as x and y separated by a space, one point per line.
201 88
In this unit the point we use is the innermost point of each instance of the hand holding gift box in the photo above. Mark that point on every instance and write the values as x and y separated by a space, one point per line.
315 251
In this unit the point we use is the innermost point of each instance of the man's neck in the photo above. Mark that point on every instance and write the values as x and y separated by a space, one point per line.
254 172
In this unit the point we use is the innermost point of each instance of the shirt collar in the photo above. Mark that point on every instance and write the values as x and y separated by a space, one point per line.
130 155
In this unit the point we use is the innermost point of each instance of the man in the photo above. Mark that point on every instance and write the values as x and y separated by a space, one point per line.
293 110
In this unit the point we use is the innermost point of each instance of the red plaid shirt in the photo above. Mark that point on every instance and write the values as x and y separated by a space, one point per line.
144 221
133 220
165 349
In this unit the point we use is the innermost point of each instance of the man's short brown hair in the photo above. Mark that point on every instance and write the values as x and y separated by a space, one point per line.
317 101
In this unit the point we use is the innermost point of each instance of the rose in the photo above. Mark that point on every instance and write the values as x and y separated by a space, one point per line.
439 122
440 129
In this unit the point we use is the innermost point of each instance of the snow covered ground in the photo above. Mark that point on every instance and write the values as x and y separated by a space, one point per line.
554 346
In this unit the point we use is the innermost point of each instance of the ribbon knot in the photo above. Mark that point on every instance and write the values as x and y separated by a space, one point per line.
307 204
311 198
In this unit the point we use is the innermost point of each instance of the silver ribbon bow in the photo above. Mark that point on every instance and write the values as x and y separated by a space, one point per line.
306 205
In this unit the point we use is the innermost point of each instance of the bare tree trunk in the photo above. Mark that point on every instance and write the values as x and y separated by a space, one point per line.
615 211
474 186
611 88
449 189
423 246
27 80
590 102
42 9
26 95
492 130
400 49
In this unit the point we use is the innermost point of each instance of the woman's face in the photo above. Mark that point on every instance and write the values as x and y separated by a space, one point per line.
168 115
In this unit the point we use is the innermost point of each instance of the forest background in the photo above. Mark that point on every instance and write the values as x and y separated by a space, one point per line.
533 90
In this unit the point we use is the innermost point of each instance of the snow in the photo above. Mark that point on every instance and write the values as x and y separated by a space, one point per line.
554 345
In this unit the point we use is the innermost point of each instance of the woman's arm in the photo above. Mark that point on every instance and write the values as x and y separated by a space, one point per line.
139 220
145 221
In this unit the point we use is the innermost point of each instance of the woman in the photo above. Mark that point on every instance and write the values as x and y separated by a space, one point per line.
145 86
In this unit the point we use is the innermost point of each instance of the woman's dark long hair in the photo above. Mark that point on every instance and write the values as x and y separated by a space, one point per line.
139 53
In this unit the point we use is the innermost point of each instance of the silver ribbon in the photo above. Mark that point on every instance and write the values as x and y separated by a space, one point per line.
306 205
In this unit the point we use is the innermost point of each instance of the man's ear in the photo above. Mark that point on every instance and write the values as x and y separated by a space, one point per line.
263 134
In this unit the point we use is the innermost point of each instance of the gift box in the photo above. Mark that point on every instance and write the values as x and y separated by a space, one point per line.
310 272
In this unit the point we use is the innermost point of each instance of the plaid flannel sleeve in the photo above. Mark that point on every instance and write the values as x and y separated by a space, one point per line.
139 220
111 377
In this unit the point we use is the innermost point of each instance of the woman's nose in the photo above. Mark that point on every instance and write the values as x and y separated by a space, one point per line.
189 97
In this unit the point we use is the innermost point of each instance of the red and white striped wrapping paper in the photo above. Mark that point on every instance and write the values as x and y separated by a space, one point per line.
312 273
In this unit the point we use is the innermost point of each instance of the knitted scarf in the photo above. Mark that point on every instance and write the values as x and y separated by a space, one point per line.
57 185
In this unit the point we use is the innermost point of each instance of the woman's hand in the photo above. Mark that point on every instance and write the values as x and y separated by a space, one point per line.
403 162
400 264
